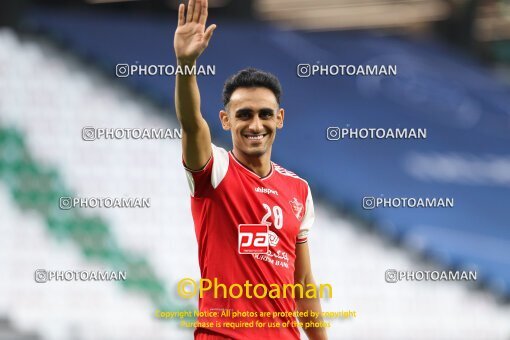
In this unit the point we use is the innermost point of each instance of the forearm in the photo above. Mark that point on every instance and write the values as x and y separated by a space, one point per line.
303 305
187 101
190 40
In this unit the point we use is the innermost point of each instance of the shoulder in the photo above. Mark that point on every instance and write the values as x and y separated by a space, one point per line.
220 165
290 176
219 152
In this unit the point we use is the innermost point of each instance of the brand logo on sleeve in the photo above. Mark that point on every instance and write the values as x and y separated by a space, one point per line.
253 239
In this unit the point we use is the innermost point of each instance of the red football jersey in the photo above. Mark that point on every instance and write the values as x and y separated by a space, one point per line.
230 205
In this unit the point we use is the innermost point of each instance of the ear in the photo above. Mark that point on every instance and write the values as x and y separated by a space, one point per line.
224 119
279 118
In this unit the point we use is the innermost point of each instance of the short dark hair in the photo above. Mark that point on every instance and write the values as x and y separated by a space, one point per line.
251 77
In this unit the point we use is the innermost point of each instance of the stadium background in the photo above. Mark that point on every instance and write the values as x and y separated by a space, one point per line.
57 75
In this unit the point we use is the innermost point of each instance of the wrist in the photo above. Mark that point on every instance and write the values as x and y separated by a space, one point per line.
186 62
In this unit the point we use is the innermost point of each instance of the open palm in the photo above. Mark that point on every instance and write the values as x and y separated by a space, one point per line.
191 38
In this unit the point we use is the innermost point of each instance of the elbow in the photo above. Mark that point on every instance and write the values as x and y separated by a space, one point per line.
191 125
304 279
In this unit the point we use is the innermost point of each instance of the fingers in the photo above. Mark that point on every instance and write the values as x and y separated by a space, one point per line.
180 21
203 13
208 33
197 10
189 14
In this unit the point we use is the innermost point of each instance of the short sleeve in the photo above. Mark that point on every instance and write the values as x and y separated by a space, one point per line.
308 219
211 175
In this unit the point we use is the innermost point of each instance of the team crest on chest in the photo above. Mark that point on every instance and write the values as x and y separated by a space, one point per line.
297 208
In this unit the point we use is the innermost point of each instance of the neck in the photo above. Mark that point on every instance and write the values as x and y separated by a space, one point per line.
261 165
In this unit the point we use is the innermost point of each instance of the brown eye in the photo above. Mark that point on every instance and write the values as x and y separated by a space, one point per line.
266 114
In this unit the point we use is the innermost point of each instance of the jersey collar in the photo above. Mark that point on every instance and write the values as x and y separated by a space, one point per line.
244 167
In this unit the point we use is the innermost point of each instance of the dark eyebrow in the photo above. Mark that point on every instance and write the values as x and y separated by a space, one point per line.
244 111
266 111
248 111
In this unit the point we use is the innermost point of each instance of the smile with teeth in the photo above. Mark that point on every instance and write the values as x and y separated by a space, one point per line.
256 137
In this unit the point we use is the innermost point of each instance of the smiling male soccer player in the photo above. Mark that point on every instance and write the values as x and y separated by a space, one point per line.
232 189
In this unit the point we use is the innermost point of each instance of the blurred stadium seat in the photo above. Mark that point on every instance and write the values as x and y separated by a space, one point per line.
343 14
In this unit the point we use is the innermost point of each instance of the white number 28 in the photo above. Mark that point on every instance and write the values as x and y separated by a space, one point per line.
277 214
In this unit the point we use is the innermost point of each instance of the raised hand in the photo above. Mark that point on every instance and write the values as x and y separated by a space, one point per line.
191 38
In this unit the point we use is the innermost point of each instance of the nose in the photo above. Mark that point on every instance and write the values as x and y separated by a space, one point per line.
255 124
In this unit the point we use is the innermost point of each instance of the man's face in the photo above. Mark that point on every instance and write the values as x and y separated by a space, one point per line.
253 117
